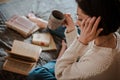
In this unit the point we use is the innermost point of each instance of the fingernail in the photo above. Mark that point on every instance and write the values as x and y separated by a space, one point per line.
94 17
101 29
99 17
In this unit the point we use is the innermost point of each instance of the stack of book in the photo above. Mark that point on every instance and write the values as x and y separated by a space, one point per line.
45 40
22 58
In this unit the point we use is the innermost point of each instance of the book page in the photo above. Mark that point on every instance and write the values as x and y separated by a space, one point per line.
21 24
26 49
42 39
18 66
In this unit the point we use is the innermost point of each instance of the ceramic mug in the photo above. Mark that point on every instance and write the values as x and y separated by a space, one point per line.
56 19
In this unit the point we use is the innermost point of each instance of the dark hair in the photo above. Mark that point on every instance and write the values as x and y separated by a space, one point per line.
109 10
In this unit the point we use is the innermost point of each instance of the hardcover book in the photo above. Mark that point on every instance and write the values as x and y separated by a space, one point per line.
22 57
45 40
42 39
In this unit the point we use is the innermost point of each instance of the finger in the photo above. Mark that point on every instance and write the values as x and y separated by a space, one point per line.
78 23
87 22
65 14
63 41
99 31
66 19
91 23
69 14
82 23
66 25
96 24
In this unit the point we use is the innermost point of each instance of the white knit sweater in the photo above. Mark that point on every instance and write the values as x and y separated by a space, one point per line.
95 63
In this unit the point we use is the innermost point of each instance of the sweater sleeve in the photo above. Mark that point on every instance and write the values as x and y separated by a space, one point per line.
70 36
97 61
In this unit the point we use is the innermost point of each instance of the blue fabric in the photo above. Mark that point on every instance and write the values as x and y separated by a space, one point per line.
78 30
58 32
50 66
46 72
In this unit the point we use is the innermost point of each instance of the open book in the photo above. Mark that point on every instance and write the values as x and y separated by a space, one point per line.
22 25
45 40
22 58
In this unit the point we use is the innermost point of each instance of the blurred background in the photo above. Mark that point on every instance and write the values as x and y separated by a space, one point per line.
40 7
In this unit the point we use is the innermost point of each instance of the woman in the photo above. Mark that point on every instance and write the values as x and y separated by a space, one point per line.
93 55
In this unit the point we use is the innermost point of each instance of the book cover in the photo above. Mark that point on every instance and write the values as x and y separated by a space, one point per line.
18 66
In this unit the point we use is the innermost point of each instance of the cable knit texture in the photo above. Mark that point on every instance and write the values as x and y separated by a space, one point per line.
70 37
95 63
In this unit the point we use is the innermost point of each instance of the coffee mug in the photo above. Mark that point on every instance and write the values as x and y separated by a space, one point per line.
56 19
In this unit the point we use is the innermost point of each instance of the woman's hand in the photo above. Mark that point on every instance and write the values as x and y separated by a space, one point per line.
69 23
64 47
89 30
